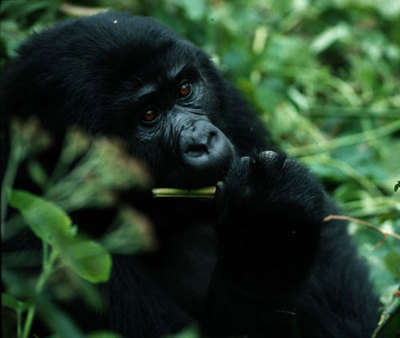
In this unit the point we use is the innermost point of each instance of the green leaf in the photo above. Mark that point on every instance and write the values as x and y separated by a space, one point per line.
9 301
49 222
392 263
87 258
331 35
195 10
131 233
37 173
189 332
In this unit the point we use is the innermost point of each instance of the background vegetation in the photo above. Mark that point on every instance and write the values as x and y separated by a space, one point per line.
324 75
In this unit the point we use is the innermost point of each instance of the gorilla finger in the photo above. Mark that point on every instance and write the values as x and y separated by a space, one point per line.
271 159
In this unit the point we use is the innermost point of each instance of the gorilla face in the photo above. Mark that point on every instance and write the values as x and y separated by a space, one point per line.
134 78
173 132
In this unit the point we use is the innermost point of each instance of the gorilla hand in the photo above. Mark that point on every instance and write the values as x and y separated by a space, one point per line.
269 203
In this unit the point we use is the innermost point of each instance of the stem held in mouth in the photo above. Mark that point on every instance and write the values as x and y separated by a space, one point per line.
205 192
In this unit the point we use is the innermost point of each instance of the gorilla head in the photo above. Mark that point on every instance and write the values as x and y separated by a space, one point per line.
135 78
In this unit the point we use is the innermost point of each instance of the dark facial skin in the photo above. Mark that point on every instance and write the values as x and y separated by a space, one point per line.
173 133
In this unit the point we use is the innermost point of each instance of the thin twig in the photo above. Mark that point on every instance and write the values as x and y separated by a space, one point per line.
384 233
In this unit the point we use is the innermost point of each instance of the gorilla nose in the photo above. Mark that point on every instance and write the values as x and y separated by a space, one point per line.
199 143
205 148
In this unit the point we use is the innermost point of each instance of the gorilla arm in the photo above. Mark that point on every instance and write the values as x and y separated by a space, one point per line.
270 212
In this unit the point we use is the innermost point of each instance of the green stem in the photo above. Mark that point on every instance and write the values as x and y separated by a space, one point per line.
206 192
8 180
48 264
19 322
45 253
47 267
29 321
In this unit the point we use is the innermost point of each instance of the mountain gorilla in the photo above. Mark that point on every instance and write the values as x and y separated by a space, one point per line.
258 260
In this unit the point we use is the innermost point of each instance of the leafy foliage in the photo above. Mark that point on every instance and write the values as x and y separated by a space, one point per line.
324 76
69 259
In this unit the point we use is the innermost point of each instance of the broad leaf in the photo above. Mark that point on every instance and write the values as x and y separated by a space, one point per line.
49 222
87 258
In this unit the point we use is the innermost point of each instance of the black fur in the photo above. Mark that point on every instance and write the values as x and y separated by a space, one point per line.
257 262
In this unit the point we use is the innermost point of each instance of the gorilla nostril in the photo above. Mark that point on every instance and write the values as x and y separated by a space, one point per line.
196 150
211 135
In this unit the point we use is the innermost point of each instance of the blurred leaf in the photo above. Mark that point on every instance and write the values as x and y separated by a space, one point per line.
195 9
28 138
269 93
104 167
37 173
21 9
131 234
190 332
49 222
76 144
10 302
324 40
12 37
87 258
392 262
49 312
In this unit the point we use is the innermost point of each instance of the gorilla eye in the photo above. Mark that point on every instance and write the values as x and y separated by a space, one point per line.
185 89
149 115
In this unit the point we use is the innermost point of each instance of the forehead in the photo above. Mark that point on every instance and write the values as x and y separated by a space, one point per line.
153 58
143 42
165 63
113 51
155 70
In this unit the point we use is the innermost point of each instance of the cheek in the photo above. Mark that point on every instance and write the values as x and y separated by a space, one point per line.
155 147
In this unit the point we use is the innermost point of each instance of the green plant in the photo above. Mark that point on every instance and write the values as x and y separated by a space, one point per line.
105 169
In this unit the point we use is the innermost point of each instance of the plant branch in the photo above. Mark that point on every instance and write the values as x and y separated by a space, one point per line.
384 232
